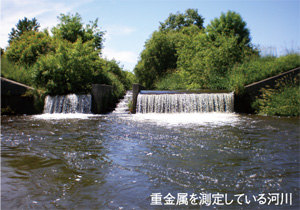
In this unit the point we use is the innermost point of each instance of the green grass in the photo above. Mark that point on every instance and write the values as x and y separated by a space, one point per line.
259 69
284 101
13 71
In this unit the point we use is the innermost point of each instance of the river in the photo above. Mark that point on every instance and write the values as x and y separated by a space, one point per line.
150 161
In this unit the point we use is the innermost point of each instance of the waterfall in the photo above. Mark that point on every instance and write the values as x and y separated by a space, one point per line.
122 107
185 103
71 103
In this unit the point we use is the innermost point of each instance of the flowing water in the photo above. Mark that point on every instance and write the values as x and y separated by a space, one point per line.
185 103
71 103
123 161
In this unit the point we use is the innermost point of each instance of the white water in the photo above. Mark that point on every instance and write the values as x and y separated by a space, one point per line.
122 107
185 103
66 104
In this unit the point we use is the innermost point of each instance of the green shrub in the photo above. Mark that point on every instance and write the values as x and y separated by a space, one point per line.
259 69
172 81
16 72
73 68
284 101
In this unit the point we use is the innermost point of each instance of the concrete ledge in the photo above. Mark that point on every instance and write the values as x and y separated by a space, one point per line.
13 100
10 87
243 102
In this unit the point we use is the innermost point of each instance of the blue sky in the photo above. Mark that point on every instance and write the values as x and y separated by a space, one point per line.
274 24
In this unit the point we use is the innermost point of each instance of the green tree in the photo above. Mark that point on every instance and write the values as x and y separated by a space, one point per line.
23 26
71 28
26 49
72 68
227 24
179 20
157 58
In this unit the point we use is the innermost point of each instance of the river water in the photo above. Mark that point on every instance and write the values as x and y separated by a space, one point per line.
147 161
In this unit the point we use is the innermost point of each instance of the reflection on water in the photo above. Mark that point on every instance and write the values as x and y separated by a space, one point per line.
117 161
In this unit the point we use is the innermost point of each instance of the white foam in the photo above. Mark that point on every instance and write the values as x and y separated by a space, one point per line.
59 116
188 118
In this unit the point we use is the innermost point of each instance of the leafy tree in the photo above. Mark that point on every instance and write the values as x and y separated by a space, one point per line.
114 68
157 58
73 68
71 28
179 20
228 24
23 26
26 49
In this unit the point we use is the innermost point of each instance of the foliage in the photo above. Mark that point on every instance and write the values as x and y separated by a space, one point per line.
172 81
16 72
23 26
73 68
121 75
282 102
157 58
260 68
71 28
178 21
227 24
26 49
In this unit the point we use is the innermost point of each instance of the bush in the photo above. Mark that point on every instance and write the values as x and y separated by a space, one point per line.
16 72
282 102
73 68
259 69
172 81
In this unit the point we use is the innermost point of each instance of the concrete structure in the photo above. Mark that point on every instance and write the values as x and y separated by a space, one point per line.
136 88
101 98
242 102
15 98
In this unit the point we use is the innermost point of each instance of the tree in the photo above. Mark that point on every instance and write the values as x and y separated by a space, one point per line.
71 28
31 44
157 58
179 20
72 68
23 26
228 24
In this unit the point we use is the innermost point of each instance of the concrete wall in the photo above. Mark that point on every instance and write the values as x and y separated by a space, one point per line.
136 88
101 98
13 100
242 102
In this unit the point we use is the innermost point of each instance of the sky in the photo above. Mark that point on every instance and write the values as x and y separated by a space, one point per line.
274 24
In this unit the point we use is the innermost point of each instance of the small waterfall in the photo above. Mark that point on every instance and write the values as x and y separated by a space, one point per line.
185 103
122 107
71 103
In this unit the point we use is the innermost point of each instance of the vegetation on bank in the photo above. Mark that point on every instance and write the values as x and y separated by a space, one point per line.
183 54
69 61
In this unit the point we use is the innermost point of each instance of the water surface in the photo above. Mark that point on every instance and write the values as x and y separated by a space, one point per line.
118 161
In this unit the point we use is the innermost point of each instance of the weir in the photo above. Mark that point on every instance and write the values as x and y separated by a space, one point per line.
185 103
65 104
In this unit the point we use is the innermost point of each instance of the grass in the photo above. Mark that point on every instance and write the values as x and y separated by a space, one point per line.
259 69
13 71
284 101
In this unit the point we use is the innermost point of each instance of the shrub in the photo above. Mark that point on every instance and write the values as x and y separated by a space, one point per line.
73 68
282 102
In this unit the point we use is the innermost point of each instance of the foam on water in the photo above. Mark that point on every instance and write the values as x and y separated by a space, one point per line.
59 116
188 118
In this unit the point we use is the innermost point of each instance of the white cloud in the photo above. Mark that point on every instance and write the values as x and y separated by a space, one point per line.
45 11
127 58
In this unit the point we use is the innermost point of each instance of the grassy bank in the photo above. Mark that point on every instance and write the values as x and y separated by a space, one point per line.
283 101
